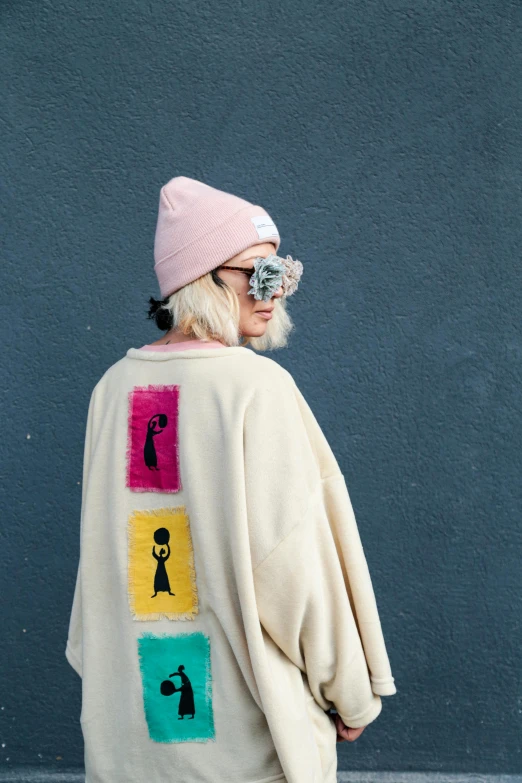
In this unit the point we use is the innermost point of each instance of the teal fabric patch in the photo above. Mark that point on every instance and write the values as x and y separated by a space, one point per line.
177 687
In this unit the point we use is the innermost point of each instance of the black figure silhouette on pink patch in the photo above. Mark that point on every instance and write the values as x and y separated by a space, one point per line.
186 700
161 578
149 450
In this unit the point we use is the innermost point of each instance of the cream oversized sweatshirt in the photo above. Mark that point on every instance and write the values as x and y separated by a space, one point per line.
223 602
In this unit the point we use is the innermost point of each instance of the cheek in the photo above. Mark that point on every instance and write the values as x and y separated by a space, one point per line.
248 302
247 307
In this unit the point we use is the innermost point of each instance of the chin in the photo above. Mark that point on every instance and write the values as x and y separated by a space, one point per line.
256 330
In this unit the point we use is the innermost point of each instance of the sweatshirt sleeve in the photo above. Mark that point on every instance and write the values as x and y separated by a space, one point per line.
313 588
304 607
73 647
351 555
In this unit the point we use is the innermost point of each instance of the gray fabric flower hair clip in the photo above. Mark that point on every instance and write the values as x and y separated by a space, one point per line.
273 272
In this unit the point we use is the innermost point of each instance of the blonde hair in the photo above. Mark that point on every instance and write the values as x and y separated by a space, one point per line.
208 309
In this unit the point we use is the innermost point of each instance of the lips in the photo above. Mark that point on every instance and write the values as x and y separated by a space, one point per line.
266 314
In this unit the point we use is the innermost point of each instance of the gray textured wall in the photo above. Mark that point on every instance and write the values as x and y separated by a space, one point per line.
384 139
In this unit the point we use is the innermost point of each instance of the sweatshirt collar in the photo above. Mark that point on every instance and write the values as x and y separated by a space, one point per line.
186 353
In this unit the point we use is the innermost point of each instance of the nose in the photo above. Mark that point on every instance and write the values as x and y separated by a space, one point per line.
277 294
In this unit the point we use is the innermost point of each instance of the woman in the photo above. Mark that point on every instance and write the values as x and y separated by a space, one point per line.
186 700
272 607
149 451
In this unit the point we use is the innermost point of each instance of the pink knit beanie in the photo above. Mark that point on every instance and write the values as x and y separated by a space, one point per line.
200 227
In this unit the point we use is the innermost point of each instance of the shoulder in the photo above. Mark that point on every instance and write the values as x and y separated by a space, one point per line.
268 374
109 377
272 400
279 404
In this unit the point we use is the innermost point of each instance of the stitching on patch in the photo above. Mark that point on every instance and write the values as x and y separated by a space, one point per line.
208 686
129 436
131 531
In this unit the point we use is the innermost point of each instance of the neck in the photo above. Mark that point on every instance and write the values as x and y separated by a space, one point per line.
175 336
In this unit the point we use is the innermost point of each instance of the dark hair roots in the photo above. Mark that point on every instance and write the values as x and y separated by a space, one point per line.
160 314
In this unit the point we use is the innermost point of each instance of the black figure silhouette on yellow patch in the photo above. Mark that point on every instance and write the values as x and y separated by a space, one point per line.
149 450
186 700
161 578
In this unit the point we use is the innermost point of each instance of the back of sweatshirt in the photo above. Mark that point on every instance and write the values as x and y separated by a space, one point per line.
223 602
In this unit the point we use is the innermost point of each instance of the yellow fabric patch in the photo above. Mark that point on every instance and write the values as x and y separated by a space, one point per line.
162 577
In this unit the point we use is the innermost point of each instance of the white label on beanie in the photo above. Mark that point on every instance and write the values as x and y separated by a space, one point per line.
265 226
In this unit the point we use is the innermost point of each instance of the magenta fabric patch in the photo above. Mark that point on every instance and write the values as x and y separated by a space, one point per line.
152 439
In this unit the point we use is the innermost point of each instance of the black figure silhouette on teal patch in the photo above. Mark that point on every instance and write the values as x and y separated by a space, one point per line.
186 700
161 578
149 450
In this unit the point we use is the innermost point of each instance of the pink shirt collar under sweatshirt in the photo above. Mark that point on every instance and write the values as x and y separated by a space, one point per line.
186 345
